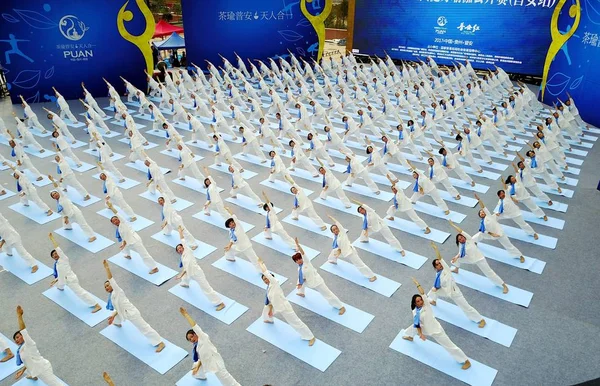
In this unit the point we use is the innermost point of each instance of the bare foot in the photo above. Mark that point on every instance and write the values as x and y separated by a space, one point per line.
535 236
466 365
128 257
521 259
86 197
160 347
409 338
342 311
481 323
96 308
312 341
300 294
34 269
373 279
504 289
153 271
220 307
268 321
427 231
92 239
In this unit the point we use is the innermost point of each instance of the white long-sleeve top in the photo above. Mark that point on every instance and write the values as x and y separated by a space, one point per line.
127 233
30 355
7 232
65 168
428 323
375 157
276 296
207 352
26 185
63 267
331 181
213 191
243 242
355 165
303 201
310 274
112 189
520 191
425 183
472 253
525 175
491 225
171 215
374 221
277 164
439 173
68 208
120 301
447 282
187 157
511 210
343 243
62 143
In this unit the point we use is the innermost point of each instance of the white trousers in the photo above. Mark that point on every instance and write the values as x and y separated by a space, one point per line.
199 277
522 224
460 172
536 191
143 252
82 294
293 320
559 157
306 165
486 270
248 252
435 195
255 148
495 144
483 153
33 196
321 154
195 171
29 140
72 181
355 260
424 143
548 179
162 184
68 152
554 168
400 158
387 235
119 201
339 191
189 239
20 248
66 111
410 213
458 298
142 326
281 232
49 378
27 164
34 122
366 177
322 288
442 339
469 157
219 207
309 211
222 375
79 219
533 207
449 187
112 169
508 246
413 149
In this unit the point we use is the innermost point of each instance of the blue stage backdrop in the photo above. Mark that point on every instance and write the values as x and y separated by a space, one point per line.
253 29
574 58
45 43
512 34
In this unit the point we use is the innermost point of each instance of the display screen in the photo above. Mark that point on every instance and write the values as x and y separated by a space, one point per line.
512 34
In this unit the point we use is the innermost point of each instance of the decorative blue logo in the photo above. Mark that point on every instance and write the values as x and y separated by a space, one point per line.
72 28
441 21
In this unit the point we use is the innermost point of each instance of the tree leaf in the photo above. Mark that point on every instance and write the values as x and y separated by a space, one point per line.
35 19
290 36
576 83
557 83
49 73
27 79
10 18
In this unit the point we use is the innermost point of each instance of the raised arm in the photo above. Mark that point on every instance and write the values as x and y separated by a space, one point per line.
107 269
456 227
481 205
51 237
187 316
20 318
299 246
419 288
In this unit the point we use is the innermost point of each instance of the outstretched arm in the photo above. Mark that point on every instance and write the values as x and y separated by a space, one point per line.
20 318
419 288
187 316
51 237
299 246
481 205
456 227
107 269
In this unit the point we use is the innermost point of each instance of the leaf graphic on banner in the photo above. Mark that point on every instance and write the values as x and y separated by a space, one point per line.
301 51
290 36
35 19
10 18
49 73
557 83
27 79
303 23
576 83
592 12
33 99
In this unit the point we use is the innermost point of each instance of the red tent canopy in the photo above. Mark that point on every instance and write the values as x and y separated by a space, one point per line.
165 29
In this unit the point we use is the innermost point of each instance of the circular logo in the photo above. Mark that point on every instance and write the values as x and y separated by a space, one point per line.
441 21
72 28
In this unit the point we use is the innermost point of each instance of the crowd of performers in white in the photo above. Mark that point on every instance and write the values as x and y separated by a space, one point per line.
383 109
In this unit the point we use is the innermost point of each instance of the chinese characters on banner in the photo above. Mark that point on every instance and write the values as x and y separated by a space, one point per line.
510 3
253 15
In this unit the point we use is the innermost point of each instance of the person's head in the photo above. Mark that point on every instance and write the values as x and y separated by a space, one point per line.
478 123
360 112
57 158
423 113
55 134
459 137
501 194
18 338
369 149
297 257
123 115
103 176
521 165
54 255
416 302
430 161
442 151
530 153
265 279
481 213
294 190
334 229
433 104
115 221
161 201
272 154
130 133
50 116
107 287
361 210
437 265
548 121
16 175
191 336
344 119
326 129
309 136
503 104
292 143
230 223
536 144
460 239
261 120
410 122
278 115
165 125
415 174
55 195
179 248
511 179
147 162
